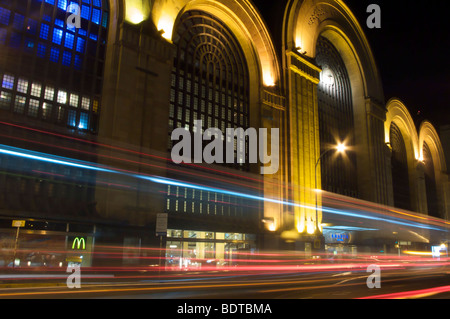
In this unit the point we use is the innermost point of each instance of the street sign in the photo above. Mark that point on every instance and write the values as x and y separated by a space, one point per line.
18 223
161 224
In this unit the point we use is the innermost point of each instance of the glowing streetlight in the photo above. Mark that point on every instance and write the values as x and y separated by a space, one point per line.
340 148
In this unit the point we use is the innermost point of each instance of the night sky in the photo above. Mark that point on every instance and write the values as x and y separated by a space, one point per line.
412 50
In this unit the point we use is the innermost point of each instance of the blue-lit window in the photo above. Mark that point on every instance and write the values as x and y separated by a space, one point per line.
8 81
67 57
72 118
105 20
57 35
41 50
96 14
4 16
85 12
84 121
18 21
73 7
80 45
77 62
68 40
54 54
62 4
59 23
44 31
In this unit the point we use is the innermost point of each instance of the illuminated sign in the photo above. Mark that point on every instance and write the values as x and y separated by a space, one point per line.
340 237
80 243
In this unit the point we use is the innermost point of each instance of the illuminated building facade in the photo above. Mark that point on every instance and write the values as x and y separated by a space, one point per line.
136 70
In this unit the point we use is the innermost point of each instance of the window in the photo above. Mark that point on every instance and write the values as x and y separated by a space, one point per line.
67 57
72 118
46 110
69 40
19 105
22 86
196 92
41 50
84 121
49 93
33 108
198 83
85 103
36 89
54 54
80 44
4 16
5 100
34 27
18 21
44 31
62 97
73 101
336 120
57 35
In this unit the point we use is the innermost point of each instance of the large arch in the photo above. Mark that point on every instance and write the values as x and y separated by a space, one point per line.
305 21
398 116
243 20
398 113
429 143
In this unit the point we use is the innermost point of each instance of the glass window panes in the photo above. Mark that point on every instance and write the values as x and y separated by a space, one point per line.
5 99
62 97
36 89
46 110
22 86
33 108
19 104
8 81
49 93
39 28
85 103
73 101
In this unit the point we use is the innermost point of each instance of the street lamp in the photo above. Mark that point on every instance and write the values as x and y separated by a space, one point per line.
340 148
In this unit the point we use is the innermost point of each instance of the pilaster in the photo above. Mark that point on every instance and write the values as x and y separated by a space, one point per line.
304 143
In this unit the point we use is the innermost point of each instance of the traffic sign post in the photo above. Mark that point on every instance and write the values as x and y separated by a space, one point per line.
17 224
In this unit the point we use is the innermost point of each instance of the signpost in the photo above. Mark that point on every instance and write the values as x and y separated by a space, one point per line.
161 230
17 224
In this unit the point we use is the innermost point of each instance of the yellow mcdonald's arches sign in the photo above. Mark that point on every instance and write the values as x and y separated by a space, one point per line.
79 242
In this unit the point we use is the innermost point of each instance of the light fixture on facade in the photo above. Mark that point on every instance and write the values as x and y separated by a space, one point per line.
268 79
328 77
165 27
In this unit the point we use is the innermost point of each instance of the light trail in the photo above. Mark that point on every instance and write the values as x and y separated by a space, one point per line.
32 155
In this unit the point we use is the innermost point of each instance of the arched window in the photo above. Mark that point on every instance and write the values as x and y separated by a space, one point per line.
430 183
48 69
210 80
336 121
400 175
